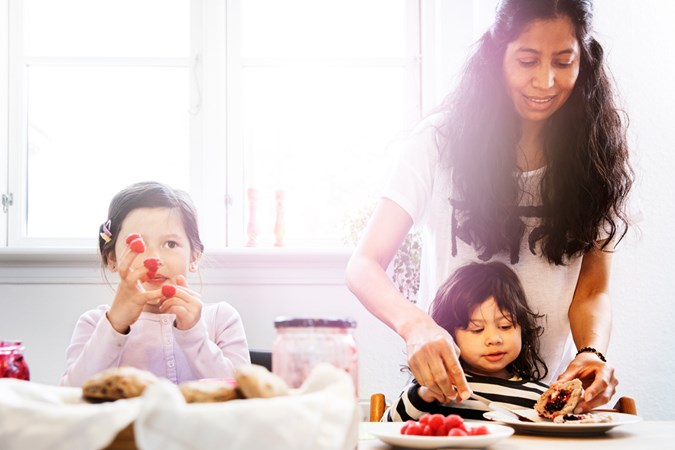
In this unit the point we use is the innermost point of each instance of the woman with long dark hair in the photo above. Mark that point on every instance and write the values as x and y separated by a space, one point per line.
526 163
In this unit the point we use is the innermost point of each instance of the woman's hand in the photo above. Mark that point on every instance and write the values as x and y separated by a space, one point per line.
597 378
185 304
428 395
433 357
131 297
432 353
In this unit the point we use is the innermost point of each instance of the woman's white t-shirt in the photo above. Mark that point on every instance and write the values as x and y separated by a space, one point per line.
421 185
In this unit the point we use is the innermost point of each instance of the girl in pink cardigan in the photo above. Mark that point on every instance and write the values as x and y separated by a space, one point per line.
155 322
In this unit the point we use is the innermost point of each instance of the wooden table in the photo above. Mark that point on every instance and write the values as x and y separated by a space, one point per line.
651 435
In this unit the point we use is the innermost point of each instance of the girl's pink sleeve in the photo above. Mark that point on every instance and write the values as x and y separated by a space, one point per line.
94 346
217 345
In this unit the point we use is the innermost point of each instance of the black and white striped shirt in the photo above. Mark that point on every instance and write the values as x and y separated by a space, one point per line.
513 393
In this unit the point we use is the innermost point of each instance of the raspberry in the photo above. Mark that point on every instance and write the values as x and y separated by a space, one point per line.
168 290
132 237
414 429
424 419
441 431
436 421
454 421
152 264
137 245
405 426
427 431
478 431
457 432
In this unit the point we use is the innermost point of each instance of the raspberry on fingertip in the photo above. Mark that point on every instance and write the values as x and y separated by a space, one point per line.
132 237
168 290
152 264
137 245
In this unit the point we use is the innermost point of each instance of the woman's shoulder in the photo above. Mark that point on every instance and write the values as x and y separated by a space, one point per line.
421 147
431 123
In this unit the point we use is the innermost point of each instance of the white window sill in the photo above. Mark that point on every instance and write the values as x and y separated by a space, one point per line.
227 266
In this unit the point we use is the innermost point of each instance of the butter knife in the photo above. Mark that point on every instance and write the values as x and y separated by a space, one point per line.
496 407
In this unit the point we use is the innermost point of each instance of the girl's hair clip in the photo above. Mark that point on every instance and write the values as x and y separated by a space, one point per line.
106 235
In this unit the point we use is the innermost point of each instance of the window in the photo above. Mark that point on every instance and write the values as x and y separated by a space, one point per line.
322 87
95 103
233 100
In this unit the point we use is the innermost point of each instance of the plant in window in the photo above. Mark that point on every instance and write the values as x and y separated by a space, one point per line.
405 268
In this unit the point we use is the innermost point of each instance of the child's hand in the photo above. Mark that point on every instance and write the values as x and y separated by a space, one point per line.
185 304
131 297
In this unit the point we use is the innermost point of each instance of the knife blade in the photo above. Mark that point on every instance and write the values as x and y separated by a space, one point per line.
496 407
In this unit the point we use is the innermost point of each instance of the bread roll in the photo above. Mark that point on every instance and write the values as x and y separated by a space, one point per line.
208 391
117 383
559 399
257 382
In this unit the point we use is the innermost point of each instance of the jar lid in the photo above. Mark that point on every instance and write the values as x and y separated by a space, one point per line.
328 322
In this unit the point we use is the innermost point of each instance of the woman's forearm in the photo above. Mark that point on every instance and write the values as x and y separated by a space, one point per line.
369 282
591 321
366 274
590 313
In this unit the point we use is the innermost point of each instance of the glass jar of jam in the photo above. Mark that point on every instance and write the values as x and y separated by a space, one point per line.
302 343
12 362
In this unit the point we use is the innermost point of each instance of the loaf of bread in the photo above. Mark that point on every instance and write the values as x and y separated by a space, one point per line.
117 383
559 399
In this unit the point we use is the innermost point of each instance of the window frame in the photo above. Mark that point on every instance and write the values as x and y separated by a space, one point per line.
4 118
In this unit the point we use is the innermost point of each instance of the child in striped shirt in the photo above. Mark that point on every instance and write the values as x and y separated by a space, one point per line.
483 307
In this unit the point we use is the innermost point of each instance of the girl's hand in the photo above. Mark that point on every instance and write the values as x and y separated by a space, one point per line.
185 304
433 357
597 378
130 298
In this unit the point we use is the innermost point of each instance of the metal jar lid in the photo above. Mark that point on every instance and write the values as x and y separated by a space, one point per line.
307 322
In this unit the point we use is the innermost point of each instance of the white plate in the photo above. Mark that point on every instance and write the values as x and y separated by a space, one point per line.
569 428
390 433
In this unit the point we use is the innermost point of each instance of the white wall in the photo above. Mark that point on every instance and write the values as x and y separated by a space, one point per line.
640 41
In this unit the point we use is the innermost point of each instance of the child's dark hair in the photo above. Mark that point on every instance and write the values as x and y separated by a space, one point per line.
149 194
474 283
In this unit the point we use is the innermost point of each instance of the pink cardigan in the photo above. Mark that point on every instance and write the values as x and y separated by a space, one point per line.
213 348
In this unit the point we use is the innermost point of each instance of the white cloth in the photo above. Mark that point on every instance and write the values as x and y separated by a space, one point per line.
322 414
422 186
37 416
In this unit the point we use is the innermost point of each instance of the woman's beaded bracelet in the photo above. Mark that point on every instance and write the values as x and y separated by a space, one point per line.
592 350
